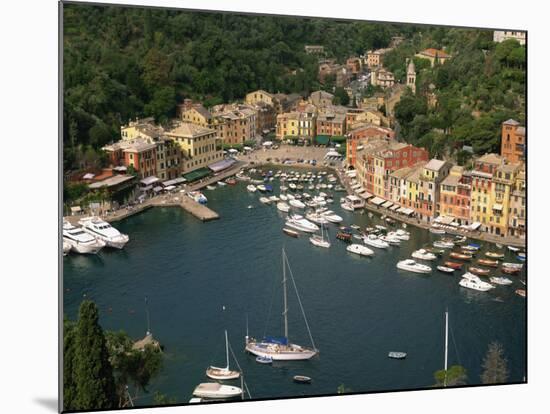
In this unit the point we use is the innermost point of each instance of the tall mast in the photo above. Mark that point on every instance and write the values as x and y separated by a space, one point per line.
226 349
285 309
446 345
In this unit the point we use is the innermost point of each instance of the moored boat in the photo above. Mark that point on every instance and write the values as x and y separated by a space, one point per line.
80 241
478 271
102 230
460 256
66 248
299 223
486 262
513 249
435 230
500 280
302 379
453 265
342 235
521 292
445 269
251 188
223 373
359 249
374 241
282 206
291 233
264 360
423 255
296 203
494 255
443 244
397 355
216 390
411 266
471 281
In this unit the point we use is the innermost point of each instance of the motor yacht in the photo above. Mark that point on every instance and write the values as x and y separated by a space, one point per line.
80 241
411 266
471 281
359 249
374 241
104 231
296 203
299 223
423 254
282 206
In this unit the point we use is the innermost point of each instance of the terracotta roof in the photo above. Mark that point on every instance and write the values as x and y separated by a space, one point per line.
431 52
511 122
490 159
188 130
435 164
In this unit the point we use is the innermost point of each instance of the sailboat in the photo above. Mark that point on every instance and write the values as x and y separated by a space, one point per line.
223 373
279 348
319 240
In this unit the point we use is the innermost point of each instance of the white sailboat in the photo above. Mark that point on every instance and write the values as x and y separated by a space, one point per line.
280 348
216 390
319 240
223 373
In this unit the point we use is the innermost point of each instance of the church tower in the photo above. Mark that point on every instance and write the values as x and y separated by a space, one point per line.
411 75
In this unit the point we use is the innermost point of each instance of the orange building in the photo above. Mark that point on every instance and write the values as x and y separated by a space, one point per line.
361 135
513 143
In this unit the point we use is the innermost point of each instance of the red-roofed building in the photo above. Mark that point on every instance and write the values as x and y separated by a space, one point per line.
434 55
364 133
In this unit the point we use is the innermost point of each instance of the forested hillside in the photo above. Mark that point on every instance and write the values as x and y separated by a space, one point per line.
120 63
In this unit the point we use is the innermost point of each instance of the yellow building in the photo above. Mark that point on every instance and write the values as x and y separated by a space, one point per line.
200 146
197 115
144 127
260 95
504 180
288 125
516 219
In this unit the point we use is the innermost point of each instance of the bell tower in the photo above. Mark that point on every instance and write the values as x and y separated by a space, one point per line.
411 75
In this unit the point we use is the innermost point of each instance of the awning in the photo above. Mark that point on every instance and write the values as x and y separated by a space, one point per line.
377 201
331 154
475 225
197 174
75 209
221 165
322 139
359 190
387 204
175 181
232 151
149 187
394 207
406 211
149 180
366 195
157 188
355 186
444 219
170 187
120 168
497 207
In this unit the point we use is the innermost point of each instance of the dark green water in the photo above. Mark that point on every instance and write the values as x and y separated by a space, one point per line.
358 308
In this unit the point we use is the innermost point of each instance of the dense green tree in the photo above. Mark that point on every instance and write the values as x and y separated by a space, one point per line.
341 97
455 375
69 382
495 367
93 373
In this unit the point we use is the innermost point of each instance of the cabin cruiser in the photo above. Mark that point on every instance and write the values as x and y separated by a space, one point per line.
316 218
265 200
104 231
411 266
216 390
359 249
500 280
471 281
198 196
443 244
282 206
400 234
299 223
333 218
354 202
296 203
274 199
423 254
251 188
374 241
283 197
80 241
391 239
261 188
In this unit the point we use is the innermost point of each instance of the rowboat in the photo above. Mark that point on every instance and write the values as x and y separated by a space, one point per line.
460 256
478 271
513 249
453 265
494 255
302 379
486 262
264 360
397 355
510 270
445 269
291 232
521 292
436 231
470 248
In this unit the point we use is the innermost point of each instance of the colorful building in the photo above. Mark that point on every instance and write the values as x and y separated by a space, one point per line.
383 78
359 136
517 208
331 124
434 55
513 141
234 123
137 153
504 181
433 173
454 197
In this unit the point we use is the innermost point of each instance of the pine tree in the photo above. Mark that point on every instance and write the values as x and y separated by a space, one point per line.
93 374
69 385
495 367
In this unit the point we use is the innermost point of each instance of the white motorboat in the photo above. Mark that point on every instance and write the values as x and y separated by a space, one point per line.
299 223
282 206
332 217
400 234
435 230
347 207
423 254
265 200
359 249
280 348
273 199
66 248
211 187
283 197
472 281
374 241
292 186
296 203
80 241
216 390
443 244
261 188
411 266
317 218
354 201
513 249
223 373
445 269
104 231
290 197
251 188
500 280
391 239
319 239
221 183
198 196
320 201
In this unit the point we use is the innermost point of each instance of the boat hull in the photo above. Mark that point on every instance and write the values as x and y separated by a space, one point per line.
221 374
278 353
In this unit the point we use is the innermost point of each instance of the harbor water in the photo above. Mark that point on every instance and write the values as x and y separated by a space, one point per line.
359 309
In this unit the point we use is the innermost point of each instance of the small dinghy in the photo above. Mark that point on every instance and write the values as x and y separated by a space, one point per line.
445 269
461 256
453 265
513 249
478 271
521 292
494 255
291 233
302 379
264 360
397 355
500 280
486 262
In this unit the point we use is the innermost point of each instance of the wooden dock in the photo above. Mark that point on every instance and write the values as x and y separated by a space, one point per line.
198 210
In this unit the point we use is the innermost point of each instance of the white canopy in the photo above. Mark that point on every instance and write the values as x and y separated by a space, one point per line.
377 201
232 150
247 148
